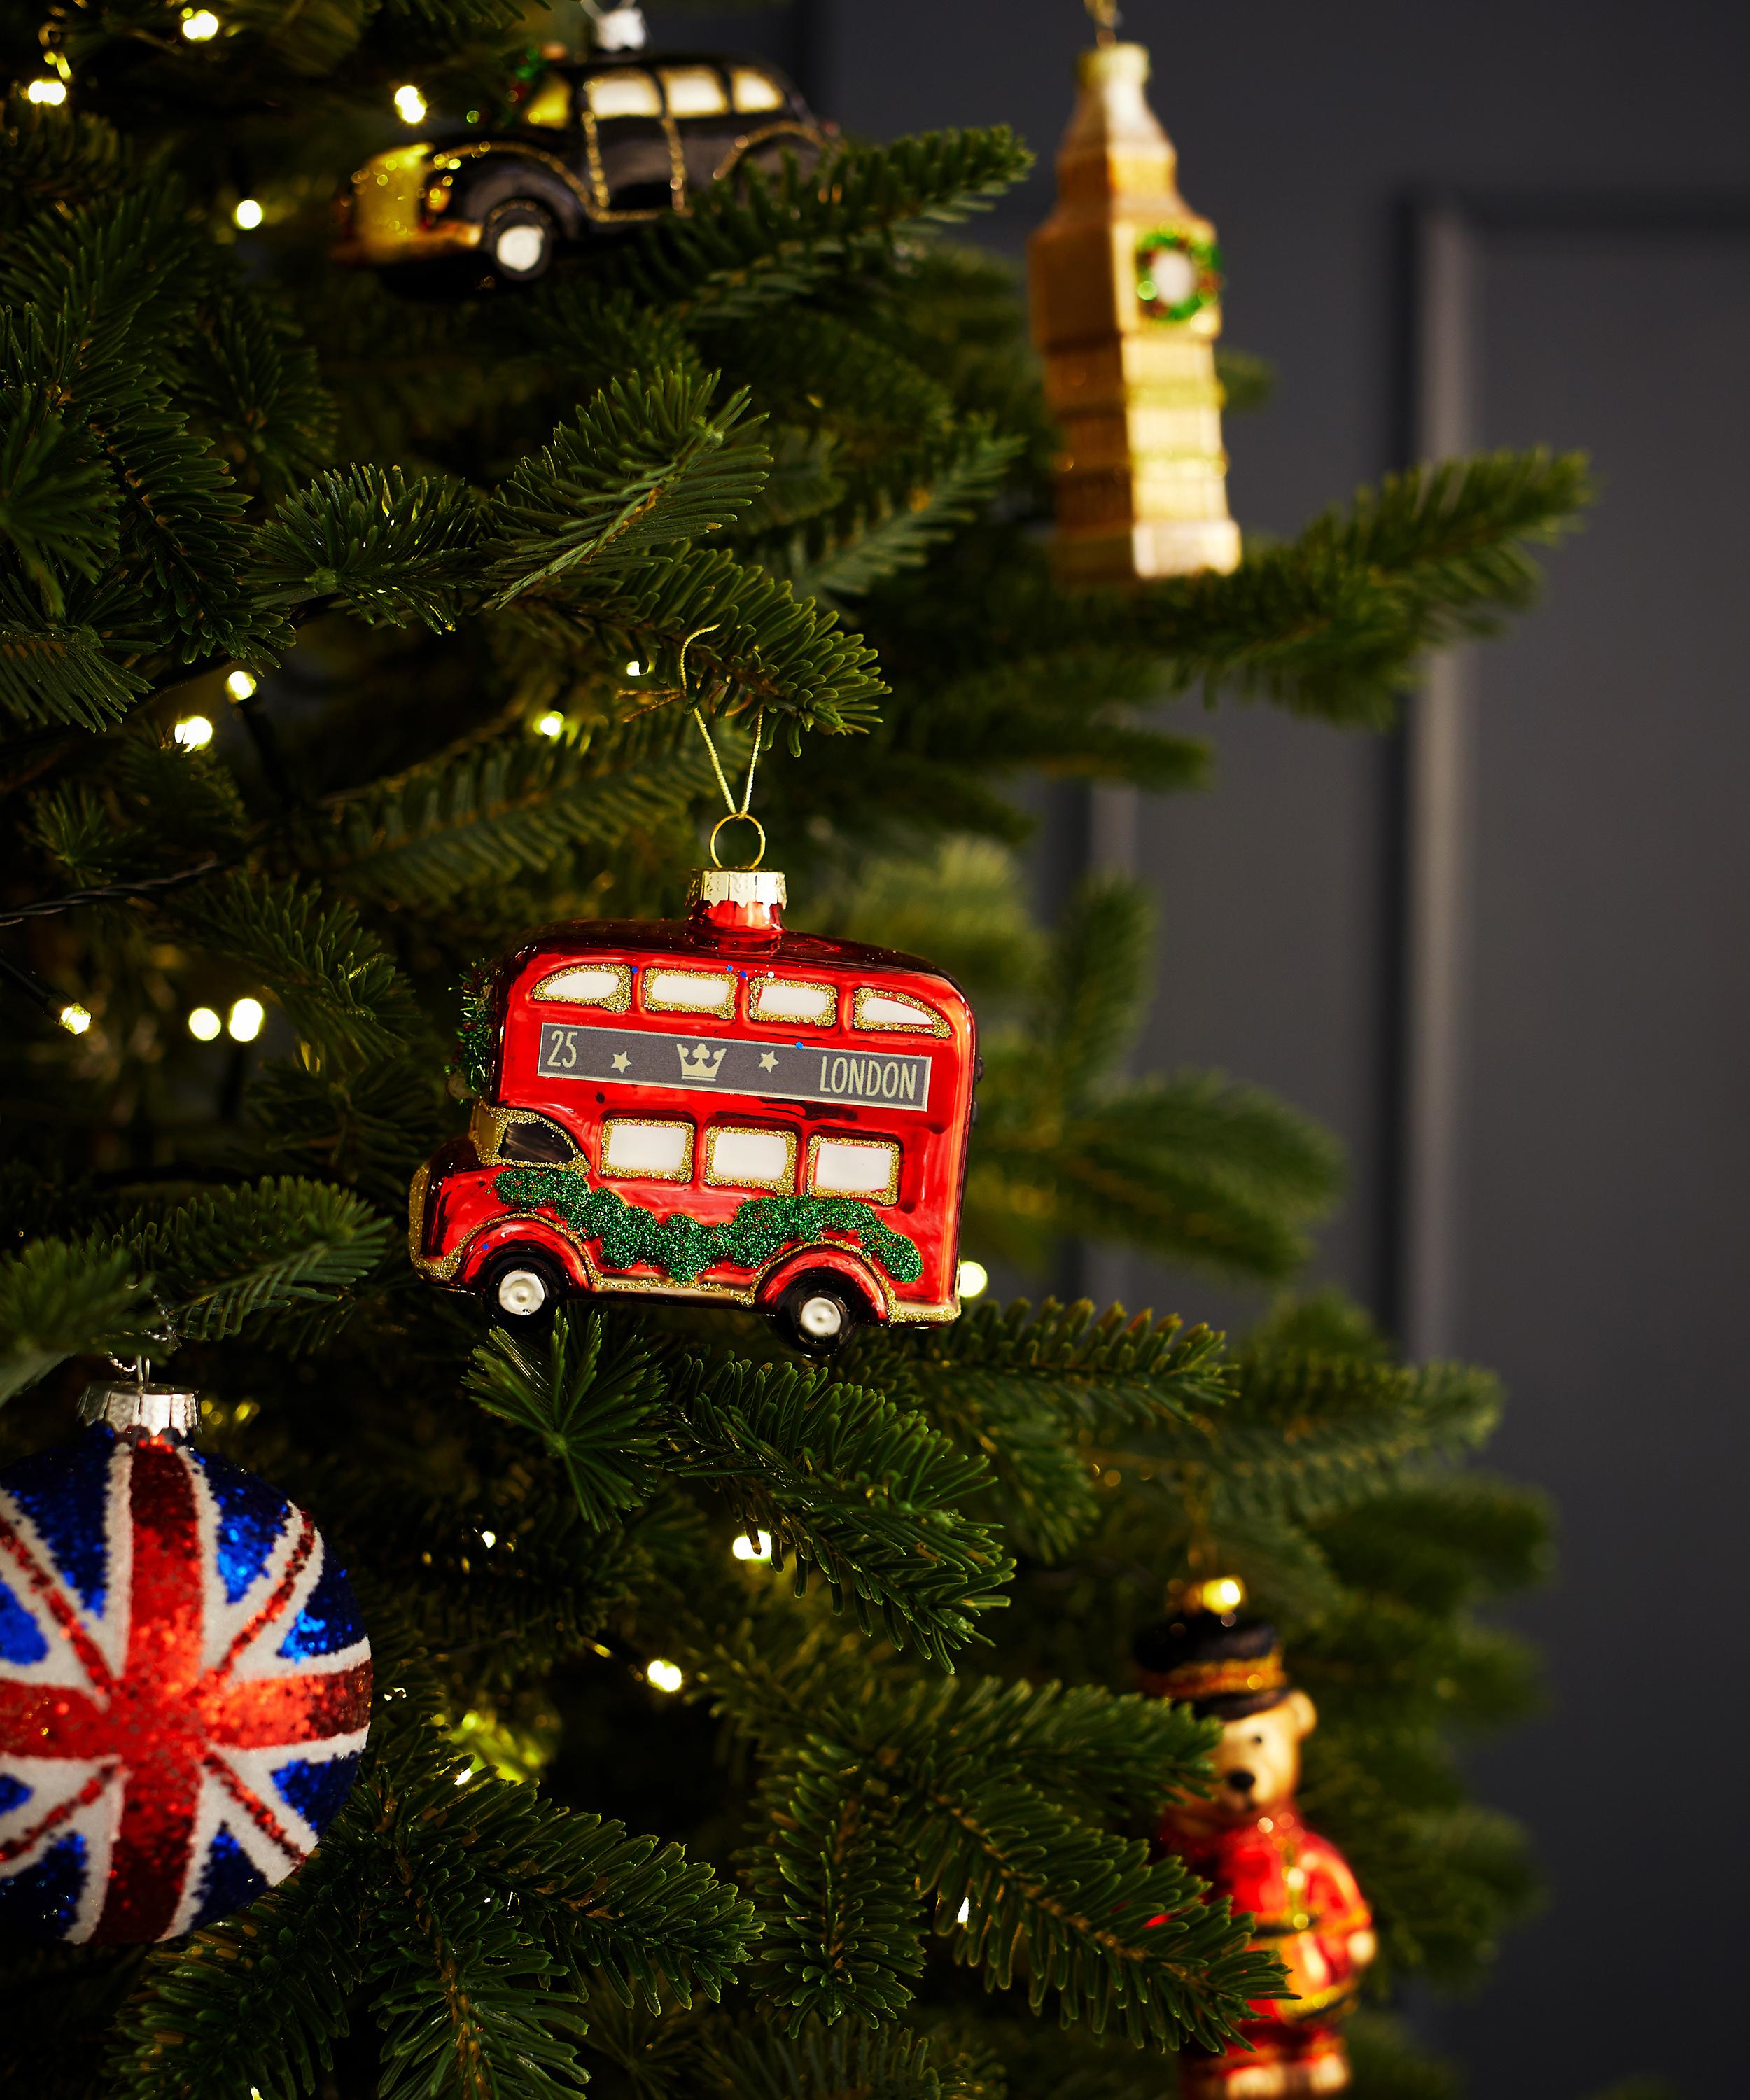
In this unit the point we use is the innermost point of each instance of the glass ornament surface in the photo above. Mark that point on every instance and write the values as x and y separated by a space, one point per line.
185 1689
762 1110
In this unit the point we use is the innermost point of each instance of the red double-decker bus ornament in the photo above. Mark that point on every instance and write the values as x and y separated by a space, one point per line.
711 1110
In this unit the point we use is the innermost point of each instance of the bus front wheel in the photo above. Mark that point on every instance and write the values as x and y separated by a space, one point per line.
818 1314
523 1287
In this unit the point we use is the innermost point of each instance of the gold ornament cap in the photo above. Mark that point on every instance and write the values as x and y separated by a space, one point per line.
743 906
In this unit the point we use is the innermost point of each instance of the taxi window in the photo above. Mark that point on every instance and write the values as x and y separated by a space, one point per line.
866 1167
550 104
784 999
634 1149
589 984
754 90
750 1158
623 94
689 991
694 91
895 1011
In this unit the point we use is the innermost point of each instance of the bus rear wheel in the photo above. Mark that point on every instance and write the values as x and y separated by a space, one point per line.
523 1287
818 1313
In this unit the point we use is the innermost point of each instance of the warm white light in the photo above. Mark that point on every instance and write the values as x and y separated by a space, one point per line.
971 1278
489 1538
744 1548
665 1676
1224 1594
204 1024
201 26
240 685
964 1912
634 670
463 1776
247 1016
248 214
53 92
194 732
551 725
410 105
74 1018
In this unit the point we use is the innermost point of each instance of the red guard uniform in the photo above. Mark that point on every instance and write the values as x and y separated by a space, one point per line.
1298 1887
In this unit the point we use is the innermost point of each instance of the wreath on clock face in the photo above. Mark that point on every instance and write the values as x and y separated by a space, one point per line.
1178 274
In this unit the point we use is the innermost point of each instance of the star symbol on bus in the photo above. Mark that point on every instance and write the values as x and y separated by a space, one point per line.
622 1062
768 1062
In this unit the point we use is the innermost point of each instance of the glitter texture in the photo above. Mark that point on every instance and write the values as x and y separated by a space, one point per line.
681 1247
186 1747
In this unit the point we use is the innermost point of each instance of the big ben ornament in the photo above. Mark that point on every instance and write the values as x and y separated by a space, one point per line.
1126 299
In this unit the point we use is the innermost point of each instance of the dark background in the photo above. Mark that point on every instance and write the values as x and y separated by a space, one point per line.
1588 165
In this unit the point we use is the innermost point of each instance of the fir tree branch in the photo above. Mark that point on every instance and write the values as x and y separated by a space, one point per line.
61 1298
336 984
228 1258
861 1489
644 465
384 547
598 1408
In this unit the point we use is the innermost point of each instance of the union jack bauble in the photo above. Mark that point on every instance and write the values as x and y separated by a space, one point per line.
185 1687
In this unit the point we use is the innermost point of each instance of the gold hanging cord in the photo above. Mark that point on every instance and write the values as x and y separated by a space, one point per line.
741 815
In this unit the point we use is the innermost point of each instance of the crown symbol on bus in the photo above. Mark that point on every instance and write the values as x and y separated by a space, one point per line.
703 1063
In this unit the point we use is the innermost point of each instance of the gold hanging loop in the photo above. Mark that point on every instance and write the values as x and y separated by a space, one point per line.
1105 15
738 817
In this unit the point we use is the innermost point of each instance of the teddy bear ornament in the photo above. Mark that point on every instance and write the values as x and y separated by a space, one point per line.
1248 1843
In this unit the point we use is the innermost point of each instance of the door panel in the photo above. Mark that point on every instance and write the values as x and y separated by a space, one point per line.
1600 1239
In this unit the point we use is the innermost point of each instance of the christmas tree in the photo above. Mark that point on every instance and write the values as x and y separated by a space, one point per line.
743 1724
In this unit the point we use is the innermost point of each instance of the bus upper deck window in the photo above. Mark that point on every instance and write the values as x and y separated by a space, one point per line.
751 1158
784 999
755 91
635 1149
607 985
866 1167
894 1010
689 991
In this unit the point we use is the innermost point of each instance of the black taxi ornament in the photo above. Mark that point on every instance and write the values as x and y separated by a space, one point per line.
594 149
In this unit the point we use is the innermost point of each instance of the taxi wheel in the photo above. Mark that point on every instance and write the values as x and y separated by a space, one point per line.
518 240
523 1288
818 1313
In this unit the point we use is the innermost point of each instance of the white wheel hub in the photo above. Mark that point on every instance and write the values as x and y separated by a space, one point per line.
523 1292
821 1318
521 248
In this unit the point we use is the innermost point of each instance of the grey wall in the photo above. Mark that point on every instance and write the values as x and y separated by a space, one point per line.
1590 1074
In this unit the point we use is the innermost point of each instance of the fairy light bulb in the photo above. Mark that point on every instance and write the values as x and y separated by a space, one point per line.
193 732
972 1279
410 105
248 214
201 26
665 1676
240 685
745 1549
51 94
247 1016
204 1024
550 723
74 1018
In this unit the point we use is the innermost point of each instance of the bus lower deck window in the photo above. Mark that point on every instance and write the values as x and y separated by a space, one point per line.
635 1148
866 1167
751 1158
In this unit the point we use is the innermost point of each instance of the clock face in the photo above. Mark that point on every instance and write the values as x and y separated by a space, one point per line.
1178 274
